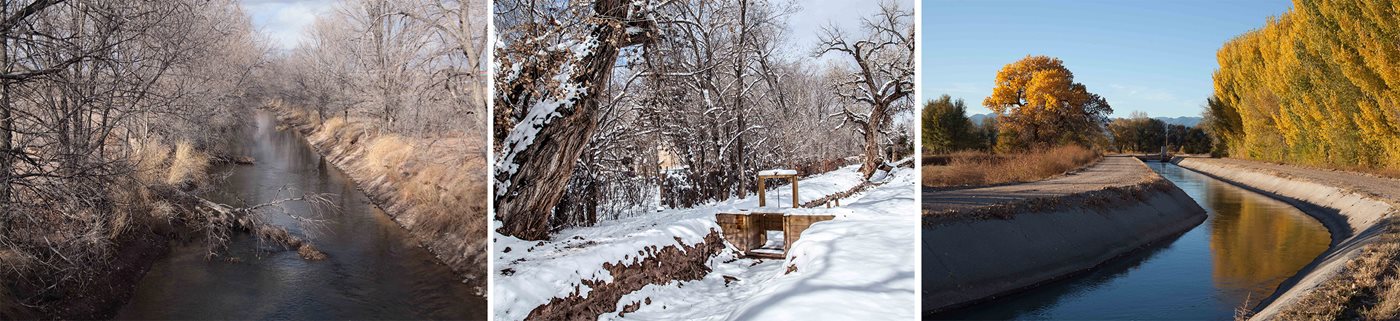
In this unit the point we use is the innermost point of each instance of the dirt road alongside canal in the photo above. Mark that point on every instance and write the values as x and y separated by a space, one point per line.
1109 172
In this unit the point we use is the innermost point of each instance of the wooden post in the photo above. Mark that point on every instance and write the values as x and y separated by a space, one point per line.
793 179
761 197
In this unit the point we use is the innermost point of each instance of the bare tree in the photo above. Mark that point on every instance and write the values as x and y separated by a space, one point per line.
712 96
93 92
560 94
883 79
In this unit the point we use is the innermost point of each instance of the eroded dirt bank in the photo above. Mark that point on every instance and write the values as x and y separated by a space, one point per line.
657 266
1356 208
982 243
433 194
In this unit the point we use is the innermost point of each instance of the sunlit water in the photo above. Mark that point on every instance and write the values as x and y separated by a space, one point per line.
1243 251
374 271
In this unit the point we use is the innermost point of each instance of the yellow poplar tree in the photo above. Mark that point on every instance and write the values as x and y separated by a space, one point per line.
1318 85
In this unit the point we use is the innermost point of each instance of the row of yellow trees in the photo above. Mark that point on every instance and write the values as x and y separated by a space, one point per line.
1319 85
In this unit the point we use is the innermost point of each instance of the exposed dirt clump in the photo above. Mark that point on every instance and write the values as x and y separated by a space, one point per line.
309 252
663 265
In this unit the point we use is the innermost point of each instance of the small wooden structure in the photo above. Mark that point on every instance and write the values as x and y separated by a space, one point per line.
763 176
748 231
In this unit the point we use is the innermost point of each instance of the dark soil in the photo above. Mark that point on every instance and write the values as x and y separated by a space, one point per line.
105 292
662 266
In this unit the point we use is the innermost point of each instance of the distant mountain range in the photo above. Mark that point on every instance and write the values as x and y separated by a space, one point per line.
977 118
1188 121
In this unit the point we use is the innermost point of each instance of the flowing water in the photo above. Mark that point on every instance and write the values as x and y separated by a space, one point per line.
374 269
1249 244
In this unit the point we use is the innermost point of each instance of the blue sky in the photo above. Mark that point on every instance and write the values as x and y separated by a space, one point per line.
1151 56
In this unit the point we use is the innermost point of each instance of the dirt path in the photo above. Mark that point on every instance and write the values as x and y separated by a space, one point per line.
1112 171
1382 187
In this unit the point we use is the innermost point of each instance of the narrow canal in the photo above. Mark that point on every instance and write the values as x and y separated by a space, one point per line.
1249 245
374 270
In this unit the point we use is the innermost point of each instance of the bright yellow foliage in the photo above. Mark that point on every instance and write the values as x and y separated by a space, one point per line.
1319 85
1039 104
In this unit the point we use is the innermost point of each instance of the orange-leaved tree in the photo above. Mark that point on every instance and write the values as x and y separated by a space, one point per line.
1038 104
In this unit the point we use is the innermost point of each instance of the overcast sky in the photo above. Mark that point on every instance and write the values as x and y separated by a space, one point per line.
283 20
846 14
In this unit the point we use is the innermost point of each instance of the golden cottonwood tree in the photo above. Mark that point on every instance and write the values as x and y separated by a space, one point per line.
1038 104
1315 86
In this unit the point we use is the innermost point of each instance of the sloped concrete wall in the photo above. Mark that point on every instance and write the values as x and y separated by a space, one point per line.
1354 218
968 261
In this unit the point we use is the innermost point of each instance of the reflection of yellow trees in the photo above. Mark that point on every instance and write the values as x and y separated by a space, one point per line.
1257 242
1319 85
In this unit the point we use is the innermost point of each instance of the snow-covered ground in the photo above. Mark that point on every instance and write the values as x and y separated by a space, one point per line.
859 266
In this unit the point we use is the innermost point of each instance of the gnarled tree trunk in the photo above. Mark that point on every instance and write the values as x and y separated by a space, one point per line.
536 170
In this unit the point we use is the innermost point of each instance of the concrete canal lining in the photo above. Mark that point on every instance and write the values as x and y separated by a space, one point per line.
1354 217
980 253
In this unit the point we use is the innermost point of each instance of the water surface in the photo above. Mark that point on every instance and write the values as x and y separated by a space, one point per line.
374 271
1249 244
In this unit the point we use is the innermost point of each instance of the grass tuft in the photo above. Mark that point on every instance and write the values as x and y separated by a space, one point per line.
387 154
189 167
150 162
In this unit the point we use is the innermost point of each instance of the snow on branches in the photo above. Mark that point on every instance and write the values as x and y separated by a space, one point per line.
883 78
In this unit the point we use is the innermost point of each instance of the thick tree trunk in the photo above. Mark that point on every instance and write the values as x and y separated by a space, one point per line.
544 166
873 157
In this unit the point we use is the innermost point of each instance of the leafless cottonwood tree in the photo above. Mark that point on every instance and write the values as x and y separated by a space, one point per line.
93 94
711 95
884 75
558 91
415 66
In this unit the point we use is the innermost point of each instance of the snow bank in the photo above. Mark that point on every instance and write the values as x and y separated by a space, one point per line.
868 274
529 274
859 266
772 172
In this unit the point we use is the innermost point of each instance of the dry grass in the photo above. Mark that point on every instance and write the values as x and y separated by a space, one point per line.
189 167
150 162
1368 289
333 125
973 168
388 155
434 186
